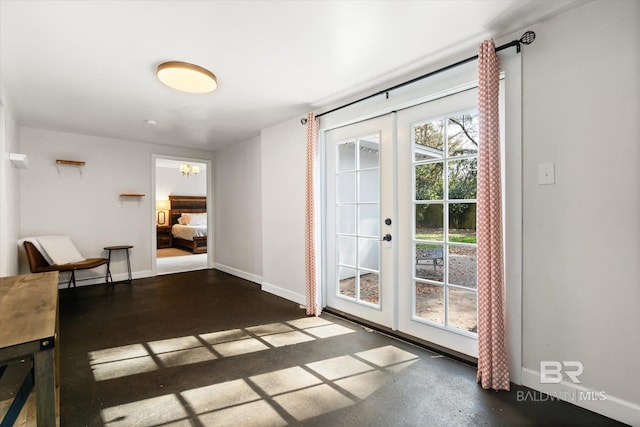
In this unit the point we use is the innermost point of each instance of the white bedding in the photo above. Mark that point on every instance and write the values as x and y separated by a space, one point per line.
188 232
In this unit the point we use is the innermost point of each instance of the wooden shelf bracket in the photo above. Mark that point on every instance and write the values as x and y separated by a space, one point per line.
77 163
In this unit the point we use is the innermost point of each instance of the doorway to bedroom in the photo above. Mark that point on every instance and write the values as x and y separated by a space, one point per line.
181 215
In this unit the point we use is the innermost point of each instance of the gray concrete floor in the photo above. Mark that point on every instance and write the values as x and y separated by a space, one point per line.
208 349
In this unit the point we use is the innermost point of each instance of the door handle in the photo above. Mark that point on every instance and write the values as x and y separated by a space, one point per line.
386 238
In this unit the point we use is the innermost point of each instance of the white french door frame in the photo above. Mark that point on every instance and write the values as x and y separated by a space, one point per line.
435 88
409 322
384 126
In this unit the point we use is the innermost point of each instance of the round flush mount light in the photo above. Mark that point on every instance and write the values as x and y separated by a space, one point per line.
187 77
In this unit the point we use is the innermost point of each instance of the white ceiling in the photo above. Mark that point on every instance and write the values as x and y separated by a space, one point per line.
88 66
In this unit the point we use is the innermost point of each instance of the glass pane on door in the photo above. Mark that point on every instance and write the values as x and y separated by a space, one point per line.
347 282
429 222
346 219
369 220
462 134
444 208
358 219
463 309
370 288
429 302
346 156
346 187
429 140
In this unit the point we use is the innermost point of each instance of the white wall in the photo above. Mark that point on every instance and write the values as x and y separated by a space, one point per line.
238 210
581 235
283 209
87 207
9 191
170 181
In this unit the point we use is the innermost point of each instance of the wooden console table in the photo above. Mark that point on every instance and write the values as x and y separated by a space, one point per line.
29 319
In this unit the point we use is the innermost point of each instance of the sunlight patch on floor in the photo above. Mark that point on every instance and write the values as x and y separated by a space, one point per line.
174 344
220 396
328 331
236 348
285 380
339 367
363 385
186 357
269 329
117 353
254 414
120 362
386 356
311 402
273 398
309 322
287 338
224 336
148 412
134 359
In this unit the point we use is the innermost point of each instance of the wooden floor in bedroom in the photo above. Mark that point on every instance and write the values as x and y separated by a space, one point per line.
171 252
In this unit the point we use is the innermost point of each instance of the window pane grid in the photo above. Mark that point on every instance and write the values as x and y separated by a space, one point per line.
359 171
447 144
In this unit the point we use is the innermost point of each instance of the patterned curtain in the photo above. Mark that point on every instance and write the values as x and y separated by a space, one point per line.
313 303
493 369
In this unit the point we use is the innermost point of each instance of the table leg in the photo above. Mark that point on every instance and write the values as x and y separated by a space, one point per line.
43 362
129 266
108 274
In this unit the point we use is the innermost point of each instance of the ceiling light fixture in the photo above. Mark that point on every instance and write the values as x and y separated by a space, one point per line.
187 77
188 169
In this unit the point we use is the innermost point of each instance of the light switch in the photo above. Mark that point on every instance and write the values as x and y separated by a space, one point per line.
546 173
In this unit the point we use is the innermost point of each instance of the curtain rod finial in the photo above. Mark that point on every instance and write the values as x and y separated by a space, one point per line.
303 121
528 37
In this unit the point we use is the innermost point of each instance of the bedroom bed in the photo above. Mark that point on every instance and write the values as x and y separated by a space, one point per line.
188 223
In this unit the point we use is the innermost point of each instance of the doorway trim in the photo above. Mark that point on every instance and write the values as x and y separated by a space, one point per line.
210 213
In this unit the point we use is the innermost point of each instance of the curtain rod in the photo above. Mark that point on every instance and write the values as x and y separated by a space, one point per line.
527 38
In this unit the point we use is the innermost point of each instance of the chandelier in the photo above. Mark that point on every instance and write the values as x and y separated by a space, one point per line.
188 169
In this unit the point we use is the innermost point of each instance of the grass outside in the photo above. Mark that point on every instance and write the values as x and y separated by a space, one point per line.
455 236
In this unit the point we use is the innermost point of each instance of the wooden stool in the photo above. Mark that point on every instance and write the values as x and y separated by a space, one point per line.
117 248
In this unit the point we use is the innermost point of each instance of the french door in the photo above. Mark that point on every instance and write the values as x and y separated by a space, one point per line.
359 183
401 223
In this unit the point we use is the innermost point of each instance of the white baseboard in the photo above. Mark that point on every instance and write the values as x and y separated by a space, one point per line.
267 287
598 401
135 275
99 280
284 293
238 273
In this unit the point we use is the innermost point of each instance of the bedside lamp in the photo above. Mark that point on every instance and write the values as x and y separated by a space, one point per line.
162 206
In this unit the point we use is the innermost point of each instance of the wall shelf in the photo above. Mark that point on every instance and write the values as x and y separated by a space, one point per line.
126 198
70 162
77 163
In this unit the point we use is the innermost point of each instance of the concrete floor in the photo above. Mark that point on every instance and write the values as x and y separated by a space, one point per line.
208 349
